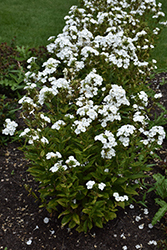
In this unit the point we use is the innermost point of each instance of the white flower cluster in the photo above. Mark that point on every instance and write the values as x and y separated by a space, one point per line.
10 127
71 162
156 133
50 155
90 185
108 141
57 125
58 165
124 132
120 198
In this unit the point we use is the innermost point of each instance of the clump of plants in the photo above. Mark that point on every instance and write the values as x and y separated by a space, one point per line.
13 65
89 133
7 111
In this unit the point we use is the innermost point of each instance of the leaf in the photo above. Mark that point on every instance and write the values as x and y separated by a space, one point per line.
130 190
110 216
72 224
66 219
64 213
98 222
42 153
74 206
159 214
76 218
62 202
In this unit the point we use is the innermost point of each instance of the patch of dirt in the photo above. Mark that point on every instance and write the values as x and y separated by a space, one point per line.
22 221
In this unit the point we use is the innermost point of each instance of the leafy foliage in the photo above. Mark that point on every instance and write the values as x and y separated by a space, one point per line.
160 188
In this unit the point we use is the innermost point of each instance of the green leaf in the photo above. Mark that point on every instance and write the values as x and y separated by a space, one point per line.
62 202
42 153
74 206
98 222
110 216
159 214
64 213
72 224
66 219
130 190
75 218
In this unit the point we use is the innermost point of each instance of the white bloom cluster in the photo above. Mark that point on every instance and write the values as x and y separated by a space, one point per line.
158 95
108 141
144 97
50 155
10 127
124 132
90 185
58 165
44 140
156 131
111 104
152 242
25 132
45 118
57 125
120 198
82 125
139 117
72 162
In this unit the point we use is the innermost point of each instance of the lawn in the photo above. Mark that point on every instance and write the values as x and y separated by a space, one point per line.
32 22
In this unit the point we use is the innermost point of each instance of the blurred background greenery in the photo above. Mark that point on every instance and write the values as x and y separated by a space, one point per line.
32 22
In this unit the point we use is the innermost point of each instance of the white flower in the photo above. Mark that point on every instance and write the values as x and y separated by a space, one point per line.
57 125
152 242
141 226
72 161
150 226
90 184
101 186
137 218
46 220
29 242
56 166
45 118
159 95
146 211
49 155
115 194
44 140
26 130
10 127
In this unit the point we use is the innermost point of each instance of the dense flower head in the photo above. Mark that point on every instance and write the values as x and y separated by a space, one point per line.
10 127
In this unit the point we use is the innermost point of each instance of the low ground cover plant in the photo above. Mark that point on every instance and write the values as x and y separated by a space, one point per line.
90 129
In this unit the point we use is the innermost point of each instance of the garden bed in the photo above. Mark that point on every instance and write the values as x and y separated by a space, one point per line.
25 226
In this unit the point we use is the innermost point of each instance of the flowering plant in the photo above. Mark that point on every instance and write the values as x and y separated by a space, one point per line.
89 130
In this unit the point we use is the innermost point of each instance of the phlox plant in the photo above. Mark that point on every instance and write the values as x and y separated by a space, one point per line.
90 132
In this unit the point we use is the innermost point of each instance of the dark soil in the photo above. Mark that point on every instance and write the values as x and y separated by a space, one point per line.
22 221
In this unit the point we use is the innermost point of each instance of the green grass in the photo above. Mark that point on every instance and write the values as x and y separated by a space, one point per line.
32 21
160 51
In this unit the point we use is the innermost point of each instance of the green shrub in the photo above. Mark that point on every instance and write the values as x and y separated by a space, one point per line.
7 111
90 131
13 65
